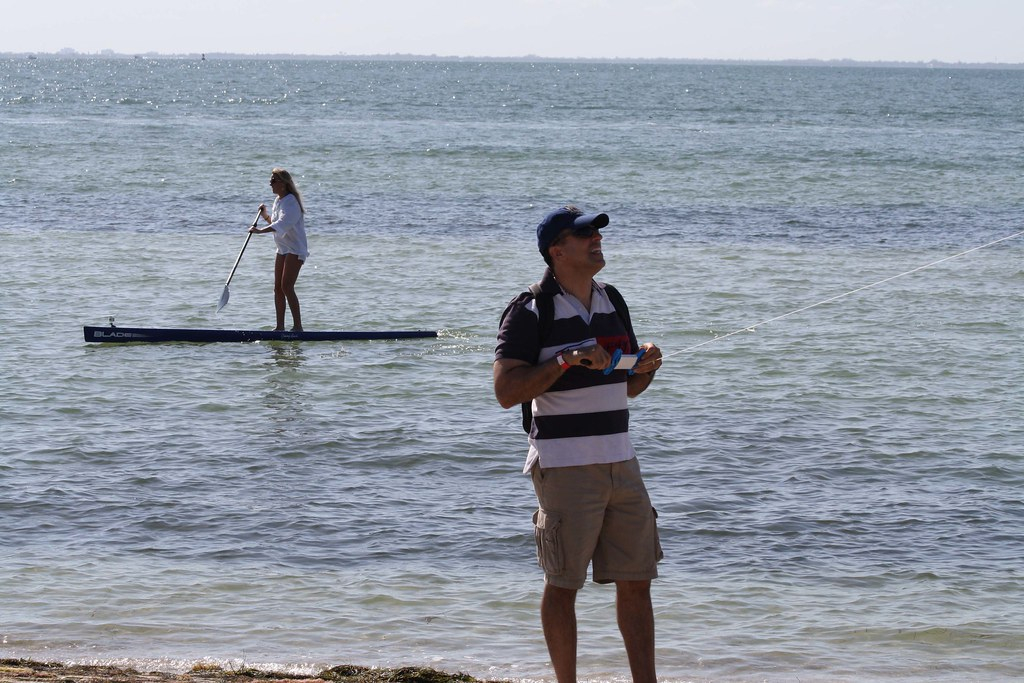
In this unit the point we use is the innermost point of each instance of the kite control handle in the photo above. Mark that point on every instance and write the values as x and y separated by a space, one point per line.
621 361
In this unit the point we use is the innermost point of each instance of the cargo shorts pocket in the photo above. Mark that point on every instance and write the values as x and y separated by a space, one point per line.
546 531
659 554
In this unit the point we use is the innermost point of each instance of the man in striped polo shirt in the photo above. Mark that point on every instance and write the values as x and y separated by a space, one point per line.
593 506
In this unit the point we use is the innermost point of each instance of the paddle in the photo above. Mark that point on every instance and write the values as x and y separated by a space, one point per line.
225 294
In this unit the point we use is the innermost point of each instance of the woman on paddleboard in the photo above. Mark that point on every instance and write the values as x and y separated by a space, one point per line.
286 222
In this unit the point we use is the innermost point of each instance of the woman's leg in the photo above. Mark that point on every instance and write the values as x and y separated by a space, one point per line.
279 297
286 272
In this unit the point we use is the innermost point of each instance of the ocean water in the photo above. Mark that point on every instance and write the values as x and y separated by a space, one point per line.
835 443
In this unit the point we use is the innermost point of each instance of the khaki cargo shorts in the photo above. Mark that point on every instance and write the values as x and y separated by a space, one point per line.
598 513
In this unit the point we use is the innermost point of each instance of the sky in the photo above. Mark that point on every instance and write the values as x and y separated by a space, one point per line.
863 30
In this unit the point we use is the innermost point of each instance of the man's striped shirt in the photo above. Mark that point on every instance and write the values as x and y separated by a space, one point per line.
583 418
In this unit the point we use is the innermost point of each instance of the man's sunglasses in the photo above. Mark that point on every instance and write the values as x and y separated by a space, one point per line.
585 232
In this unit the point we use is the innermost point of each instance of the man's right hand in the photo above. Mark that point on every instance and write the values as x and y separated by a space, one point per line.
591 357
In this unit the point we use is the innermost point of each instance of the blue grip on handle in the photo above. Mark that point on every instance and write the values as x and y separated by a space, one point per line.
639 355
616 357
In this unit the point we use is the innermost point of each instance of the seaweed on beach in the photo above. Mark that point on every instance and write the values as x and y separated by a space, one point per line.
24 671
408 674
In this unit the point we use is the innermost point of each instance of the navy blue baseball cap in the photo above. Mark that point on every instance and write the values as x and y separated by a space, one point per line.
563 219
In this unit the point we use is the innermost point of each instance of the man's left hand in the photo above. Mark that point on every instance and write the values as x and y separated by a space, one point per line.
650 361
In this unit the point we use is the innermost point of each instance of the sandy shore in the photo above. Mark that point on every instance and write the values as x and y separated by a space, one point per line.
20 670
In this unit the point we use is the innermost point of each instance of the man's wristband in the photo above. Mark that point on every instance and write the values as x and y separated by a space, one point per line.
561 361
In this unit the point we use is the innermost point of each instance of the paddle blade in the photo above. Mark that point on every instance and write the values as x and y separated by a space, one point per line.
223 299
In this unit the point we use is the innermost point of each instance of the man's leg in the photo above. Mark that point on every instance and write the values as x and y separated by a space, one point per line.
636 623
558 617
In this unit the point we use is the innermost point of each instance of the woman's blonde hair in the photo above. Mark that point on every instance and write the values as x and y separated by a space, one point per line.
289 185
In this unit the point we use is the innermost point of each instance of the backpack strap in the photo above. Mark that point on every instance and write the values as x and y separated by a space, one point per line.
545 310
620 305
545 319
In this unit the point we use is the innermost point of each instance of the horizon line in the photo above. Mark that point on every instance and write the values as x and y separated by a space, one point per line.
404 56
